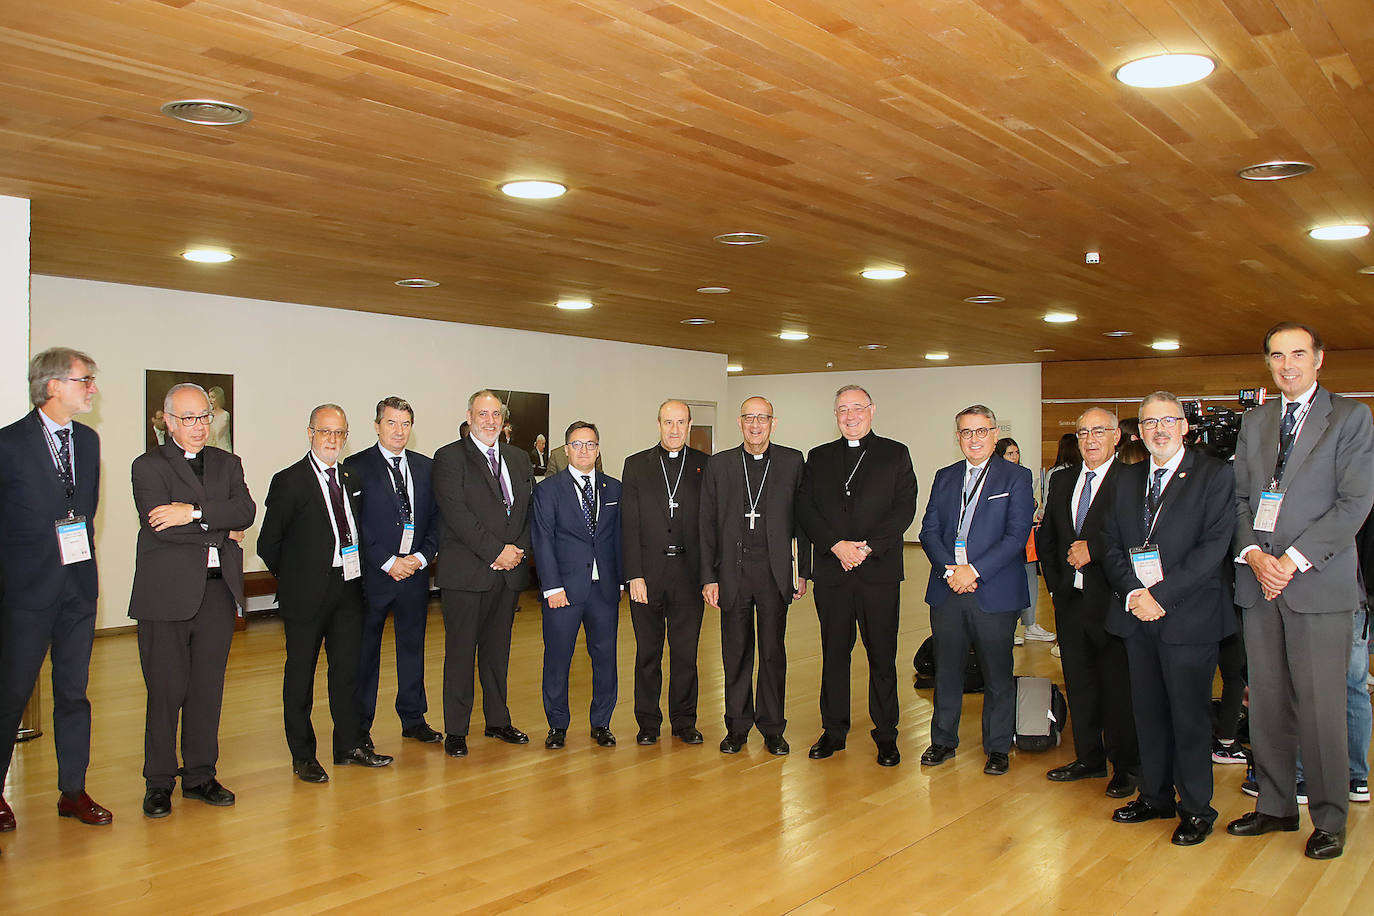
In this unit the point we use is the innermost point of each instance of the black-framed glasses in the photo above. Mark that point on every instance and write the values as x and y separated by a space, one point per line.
340 434
981 432
756 417
1153 422
1097 432
582 445
193 419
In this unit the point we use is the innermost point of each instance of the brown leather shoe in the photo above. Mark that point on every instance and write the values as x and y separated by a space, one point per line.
6 816
83 808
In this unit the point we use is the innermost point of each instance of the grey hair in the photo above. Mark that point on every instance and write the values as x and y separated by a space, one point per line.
327 407
1116 421
975 410
488 393
394 403
1158 396
182 386
53 364
845 390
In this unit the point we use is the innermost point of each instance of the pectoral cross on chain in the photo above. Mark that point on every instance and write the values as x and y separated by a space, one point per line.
752 516
672 504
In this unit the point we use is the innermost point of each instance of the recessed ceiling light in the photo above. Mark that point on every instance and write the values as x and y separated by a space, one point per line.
1165 70
882 273
207 112
873 347
1366 270
573 305
1164 345
985 300
1339 233
534 190
742 238
1060 317
1273 171
734 367
937 356
794 335
1044 350
713 290
207 255
1117 333
697 321
417 283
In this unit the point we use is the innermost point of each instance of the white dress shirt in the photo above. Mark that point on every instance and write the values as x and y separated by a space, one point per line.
1305 399
577 482
323 480
52 427
387 455
1098 473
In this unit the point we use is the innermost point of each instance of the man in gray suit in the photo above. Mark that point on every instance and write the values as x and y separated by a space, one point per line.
1304 485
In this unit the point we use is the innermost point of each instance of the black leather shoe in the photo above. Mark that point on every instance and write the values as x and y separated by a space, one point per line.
646 737
456 745
212 793
1257 824
309 770
507 733
157 803
1121 785
556 738
998 764
888 755
777 745
1191 830
422 733
936 754
1074 771
688 735
733 743
1323 845
826 745
1138 812
361 756
603 737
367 741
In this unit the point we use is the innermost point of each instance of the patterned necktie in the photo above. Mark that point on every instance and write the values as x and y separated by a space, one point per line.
965 513
589 504
337 505
399 479
496 471
1290 421
1085 499
64 458
1152 500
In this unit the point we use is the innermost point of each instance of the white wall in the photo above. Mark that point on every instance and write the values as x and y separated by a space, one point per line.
287 358
915 406
14 306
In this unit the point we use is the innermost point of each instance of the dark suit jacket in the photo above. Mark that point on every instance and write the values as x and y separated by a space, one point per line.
382 524
882 508
474 525
1328 489
31 500
1056 533
539 463
1193 529
297 540
564 550
644 518
170 565
723 504
997 534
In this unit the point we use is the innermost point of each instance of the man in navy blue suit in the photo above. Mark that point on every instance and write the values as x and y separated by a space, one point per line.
577 550
974 532
400 539
49 487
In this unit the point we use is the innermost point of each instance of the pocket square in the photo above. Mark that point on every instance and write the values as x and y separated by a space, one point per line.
608 505
357 493
999 496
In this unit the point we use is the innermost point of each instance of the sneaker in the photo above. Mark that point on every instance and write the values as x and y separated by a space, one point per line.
1018 641
1054 650
1359 790
1234 752
1302 792
1037 632
1250 786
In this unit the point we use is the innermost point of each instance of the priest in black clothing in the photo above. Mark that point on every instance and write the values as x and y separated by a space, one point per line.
752 570
857 498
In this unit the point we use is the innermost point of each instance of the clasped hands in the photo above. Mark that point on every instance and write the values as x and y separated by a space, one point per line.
851 553
509 558
404 567
1144 606
962 578
1273 573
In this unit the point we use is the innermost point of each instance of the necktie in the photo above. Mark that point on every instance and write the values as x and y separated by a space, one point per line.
1290 421
1152 500
496 472
64 458
1085 499
336 503
399 479
966 510
589 504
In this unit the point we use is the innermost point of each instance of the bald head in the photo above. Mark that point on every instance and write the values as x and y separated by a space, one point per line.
674 424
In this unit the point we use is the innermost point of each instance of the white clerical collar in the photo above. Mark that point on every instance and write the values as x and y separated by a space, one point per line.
854 443
188 455
670 454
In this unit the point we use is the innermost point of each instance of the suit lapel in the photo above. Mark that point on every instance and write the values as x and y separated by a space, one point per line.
1178 483
43 446
479 457
176 458
1318 417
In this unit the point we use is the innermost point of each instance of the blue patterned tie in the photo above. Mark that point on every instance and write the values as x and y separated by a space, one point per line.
399 479
64 458
1152 500
1085 499
1290 421
589 504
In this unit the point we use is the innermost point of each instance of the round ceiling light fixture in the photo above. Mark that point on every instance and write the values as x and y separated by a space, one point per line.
208 255
882 273
207 112
985 299
713 290
534 190
794 335
1163 71
1339 233
574 305
741 238
1164 345
1060 317
697 322
1274 171
417 283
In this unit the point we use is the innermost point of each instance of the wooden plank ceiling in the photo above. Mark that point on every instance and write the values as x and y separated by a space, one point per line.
981 144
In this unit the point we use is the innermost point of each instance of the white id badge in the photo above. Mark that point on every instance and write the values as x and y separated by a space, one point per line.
1267 515
961 552
73 540
1148 568
352 565
407 540
212 558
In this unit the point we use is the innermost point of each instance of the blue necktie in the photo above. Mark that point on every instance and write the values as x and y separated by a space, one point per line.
399 479
1152 500
1290 421
64 458
1085 499
588 504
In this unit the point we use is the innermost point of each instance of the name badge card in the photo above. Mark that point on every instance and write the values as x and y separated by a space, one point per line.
73 540
407 539
1267 515
212 558
352 564
1148 567
961 552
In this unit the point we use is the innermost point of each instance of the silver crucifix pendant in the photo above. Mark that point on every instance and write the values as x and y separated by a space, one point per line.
752 516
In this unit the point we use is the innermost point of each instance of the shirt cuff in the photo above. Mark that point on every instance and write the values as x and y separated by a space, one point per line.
975 570
424 564
551 592
386 567
1131 594
1240 557
1296 556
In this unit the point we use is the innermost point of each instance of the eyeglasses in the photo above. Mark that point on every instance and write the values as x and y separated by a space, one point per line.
752 418
581 445
1097 432
1168 422
192 420
981 432
848 409
339 434
87 380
